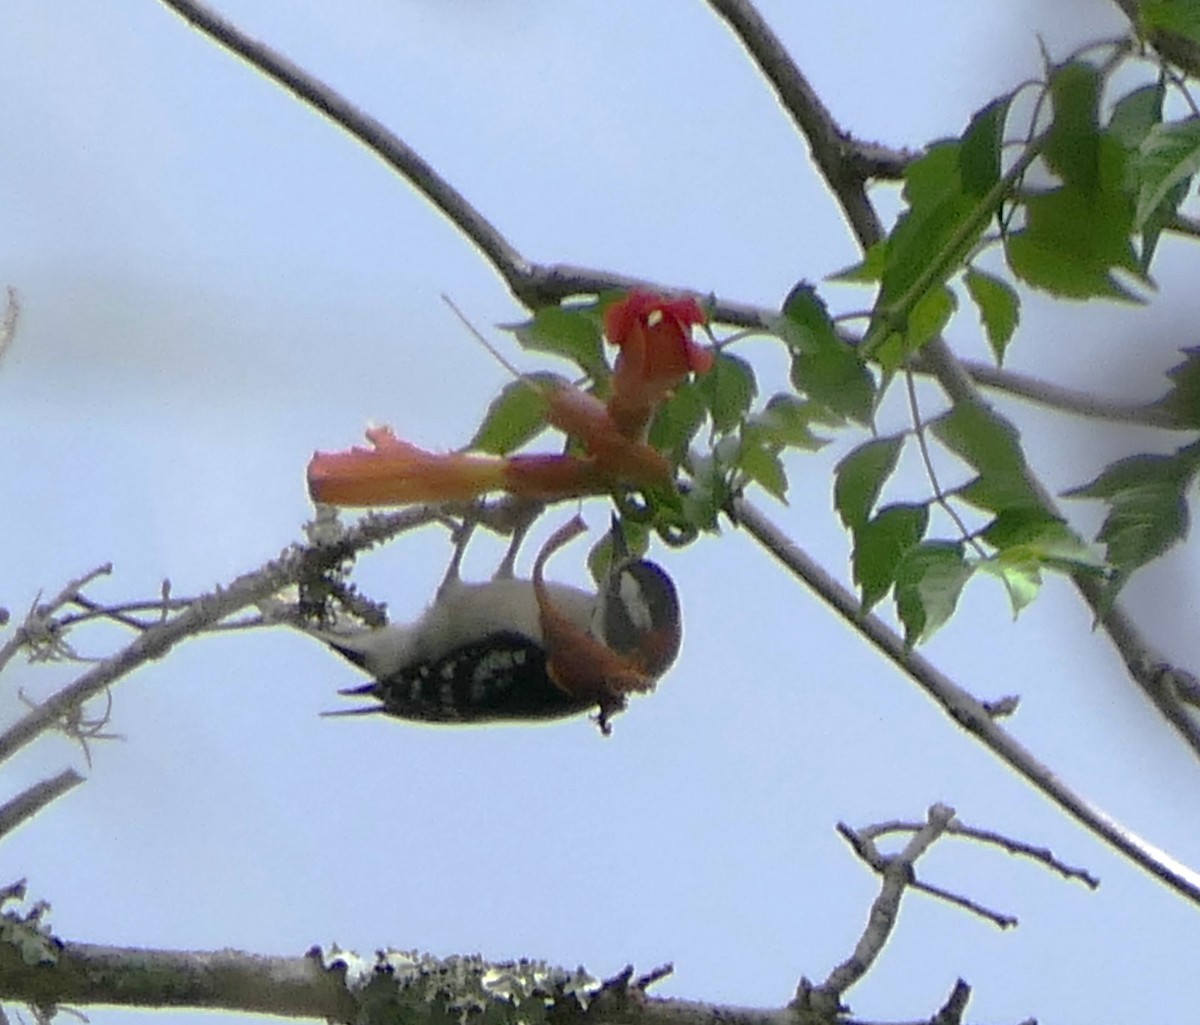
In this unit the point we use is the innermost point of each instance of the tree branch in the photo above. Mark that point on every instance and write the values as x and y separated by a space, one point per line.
1071 400
205 612
964 708
28 803
897 872
827 142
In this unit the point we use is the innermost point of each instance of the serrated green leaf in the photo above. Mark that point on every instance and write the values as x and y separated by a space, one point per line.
570 332
1134 114
677 421
728 389
929 317
1072 148
1034 535
836 379
787 421
1022 579
869 269
761 463
514 417
881 543
929 580
938 207
708 494
999 490
1168 155
982 437
979 158
1159 220
1183 400
1179 16
1147 506
806 325
859 477
999 308
1072 240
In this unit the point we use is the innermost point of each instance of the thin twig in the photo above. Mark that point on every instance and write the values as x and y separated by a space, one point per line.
27 804
939 495
203 613
826 140
1017 848
897 874
8 324
862 842
42 611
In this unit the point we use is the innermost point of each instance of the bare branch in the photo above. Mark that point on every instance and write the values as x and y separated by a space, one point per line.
25 805
964 708
323 985
203 613
8 324
897 872
828 143
41 613
1015 847
1071 400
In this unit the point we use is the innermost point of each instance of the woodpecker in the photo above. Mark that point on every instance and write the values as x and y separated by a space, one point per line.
521 650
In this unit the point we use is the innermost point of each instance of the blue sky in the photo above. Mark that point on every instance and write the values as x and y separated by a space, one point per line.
216 282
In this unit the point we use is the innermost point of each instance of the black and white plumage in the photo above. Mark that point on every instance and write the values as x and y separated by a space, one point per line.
478 654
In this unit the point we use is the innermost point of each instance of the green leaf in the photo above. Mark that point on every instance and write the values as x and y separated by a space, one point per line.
806 325
982 437
999 309
516 416
728 389
1158 220
709 493
824 367
1183 400
859 477
677 421
788 421
570 332
880 545
929 580
1168 155
868 270
1147 506
1072 148
979 158
1073 238
1034 535
1134 114
998 490
929 317
1179 16
761 463
1022 578
938 207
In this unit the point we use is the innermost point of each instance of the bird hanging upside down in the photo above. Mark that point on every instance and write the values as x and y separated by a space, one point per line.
519 650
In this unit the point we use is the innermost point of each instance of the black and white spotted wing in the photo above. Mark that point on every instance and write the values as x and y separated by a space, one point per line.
500 677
